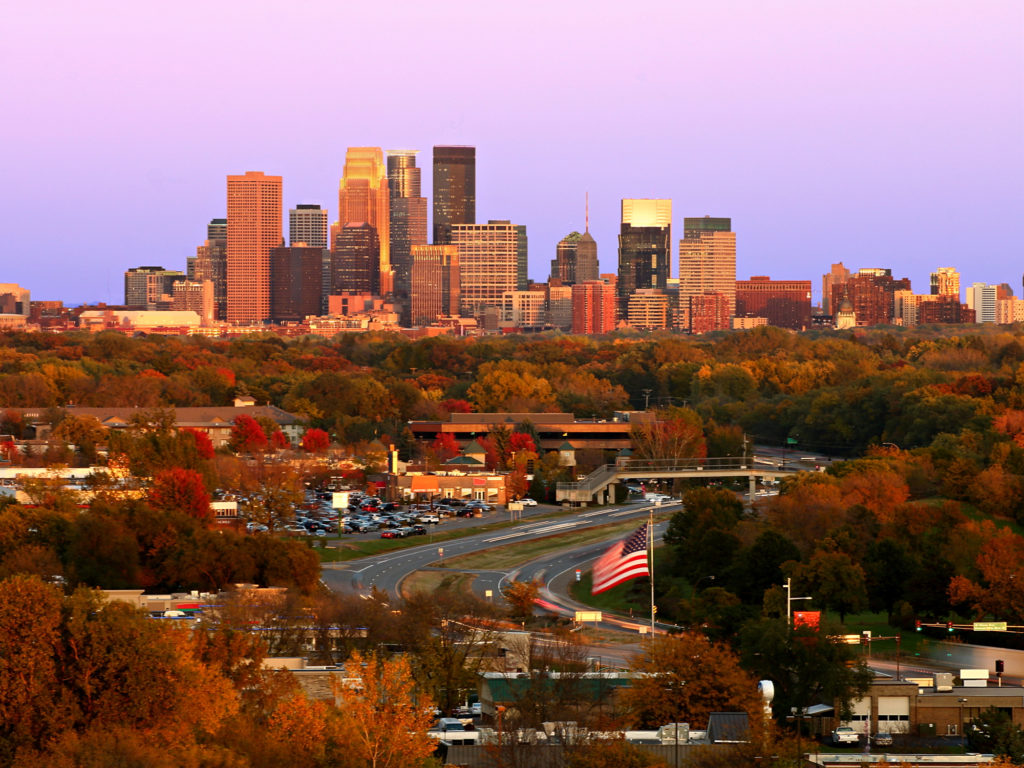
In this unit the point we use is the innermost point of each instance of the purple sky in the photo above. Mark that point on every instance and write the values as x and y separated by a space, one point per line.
874 132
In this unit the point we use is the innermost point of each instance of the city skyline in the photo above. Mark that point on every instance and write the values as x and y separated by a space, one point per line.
886 143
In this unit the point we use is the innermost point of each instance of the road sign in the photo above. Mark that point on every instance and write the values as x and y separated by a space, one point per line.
515 506
579 574
989 626
790 441
582 616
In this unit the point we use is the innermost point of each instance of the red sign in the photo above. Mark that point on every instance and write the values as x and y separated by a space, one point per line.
810 619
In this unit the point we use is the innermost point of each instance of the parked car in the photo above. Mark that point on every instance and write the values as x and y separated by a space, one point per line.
528 502
417 530
390 533
882 739
844 734
432 519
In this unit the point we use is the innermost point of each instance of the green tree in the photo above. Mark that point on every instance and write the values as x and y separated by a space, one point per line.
993 732
835 581
805 665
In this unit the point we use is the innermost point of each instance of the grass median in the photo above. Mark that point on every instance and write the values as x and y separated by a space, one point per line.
345 549
510 555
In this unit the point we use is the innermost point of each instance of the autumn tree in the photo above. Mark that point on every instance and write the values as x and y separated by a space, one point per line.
521 597
315 441
998 589
383 722
450 635
182 490
247 436
676 433
444 447
684 678
510 386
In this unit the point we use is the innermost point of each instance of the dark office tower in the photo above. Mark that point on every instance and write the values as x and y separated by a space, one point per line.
408 212
295 282
307 224
645 248
454 190
355 260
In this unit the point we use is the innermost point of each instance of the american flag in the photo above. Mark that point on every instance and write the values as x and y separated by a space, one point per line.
624 561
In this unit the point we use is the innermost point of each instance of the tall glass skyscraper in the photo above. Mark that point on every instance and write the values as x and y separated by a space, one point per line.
408 215
454 190
645 247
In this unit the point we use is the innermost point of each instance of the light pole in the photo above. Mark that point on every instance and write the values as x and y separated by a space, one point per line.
789 601
647 398
960 726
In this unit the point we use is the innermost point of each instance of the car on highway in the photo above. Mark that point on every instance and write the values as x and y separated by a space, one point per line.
844 734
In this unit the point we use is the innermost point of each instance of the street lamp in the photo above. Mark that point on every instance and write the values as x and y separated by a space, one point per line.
789 601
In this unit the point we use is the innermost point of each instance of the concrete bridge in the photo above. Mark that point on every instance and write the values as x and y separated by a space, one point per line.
598 486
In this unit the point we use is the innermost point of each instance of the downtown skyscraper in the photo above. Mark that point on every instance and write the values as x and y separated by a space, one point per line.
253 228
363 199
408 215
454 190
645 247
707 259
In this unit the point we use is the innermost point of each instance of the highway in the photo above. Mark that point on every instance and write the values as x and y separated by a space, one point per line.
387 571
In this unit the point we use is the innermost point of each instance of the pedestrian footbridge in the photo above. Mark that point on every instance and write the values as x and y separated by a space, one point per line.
598 486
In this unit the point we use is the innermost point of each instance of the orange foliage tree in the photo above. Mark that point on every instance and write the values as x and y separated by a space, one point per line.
684 678
999 590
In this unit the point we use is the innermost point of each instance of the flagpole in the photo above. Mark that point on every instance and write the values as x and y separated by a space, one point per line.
650 566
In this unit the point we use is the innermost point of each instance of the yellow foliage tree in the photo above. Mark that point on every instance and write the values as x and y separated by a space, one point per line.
380 718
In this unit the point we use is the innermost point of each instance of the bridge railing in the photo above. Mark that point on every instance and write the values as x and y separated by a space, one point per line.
600 476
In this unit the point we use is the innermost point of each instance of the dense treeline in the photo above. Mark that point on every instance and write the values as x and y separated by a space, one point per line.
832 392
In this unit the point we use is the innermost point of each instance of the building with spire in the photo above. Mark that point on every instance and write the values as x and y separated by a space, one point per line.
363 198
576 256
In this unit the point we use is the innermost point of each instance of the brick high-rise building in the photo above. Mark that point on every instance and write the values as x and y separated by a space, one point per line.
870 293
145 286
408 215
435 279
296 282
944 309
837 275
355 260
707 259
645 247
594 305
454 190
708 312
784 303
253 228
363 197
488 263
